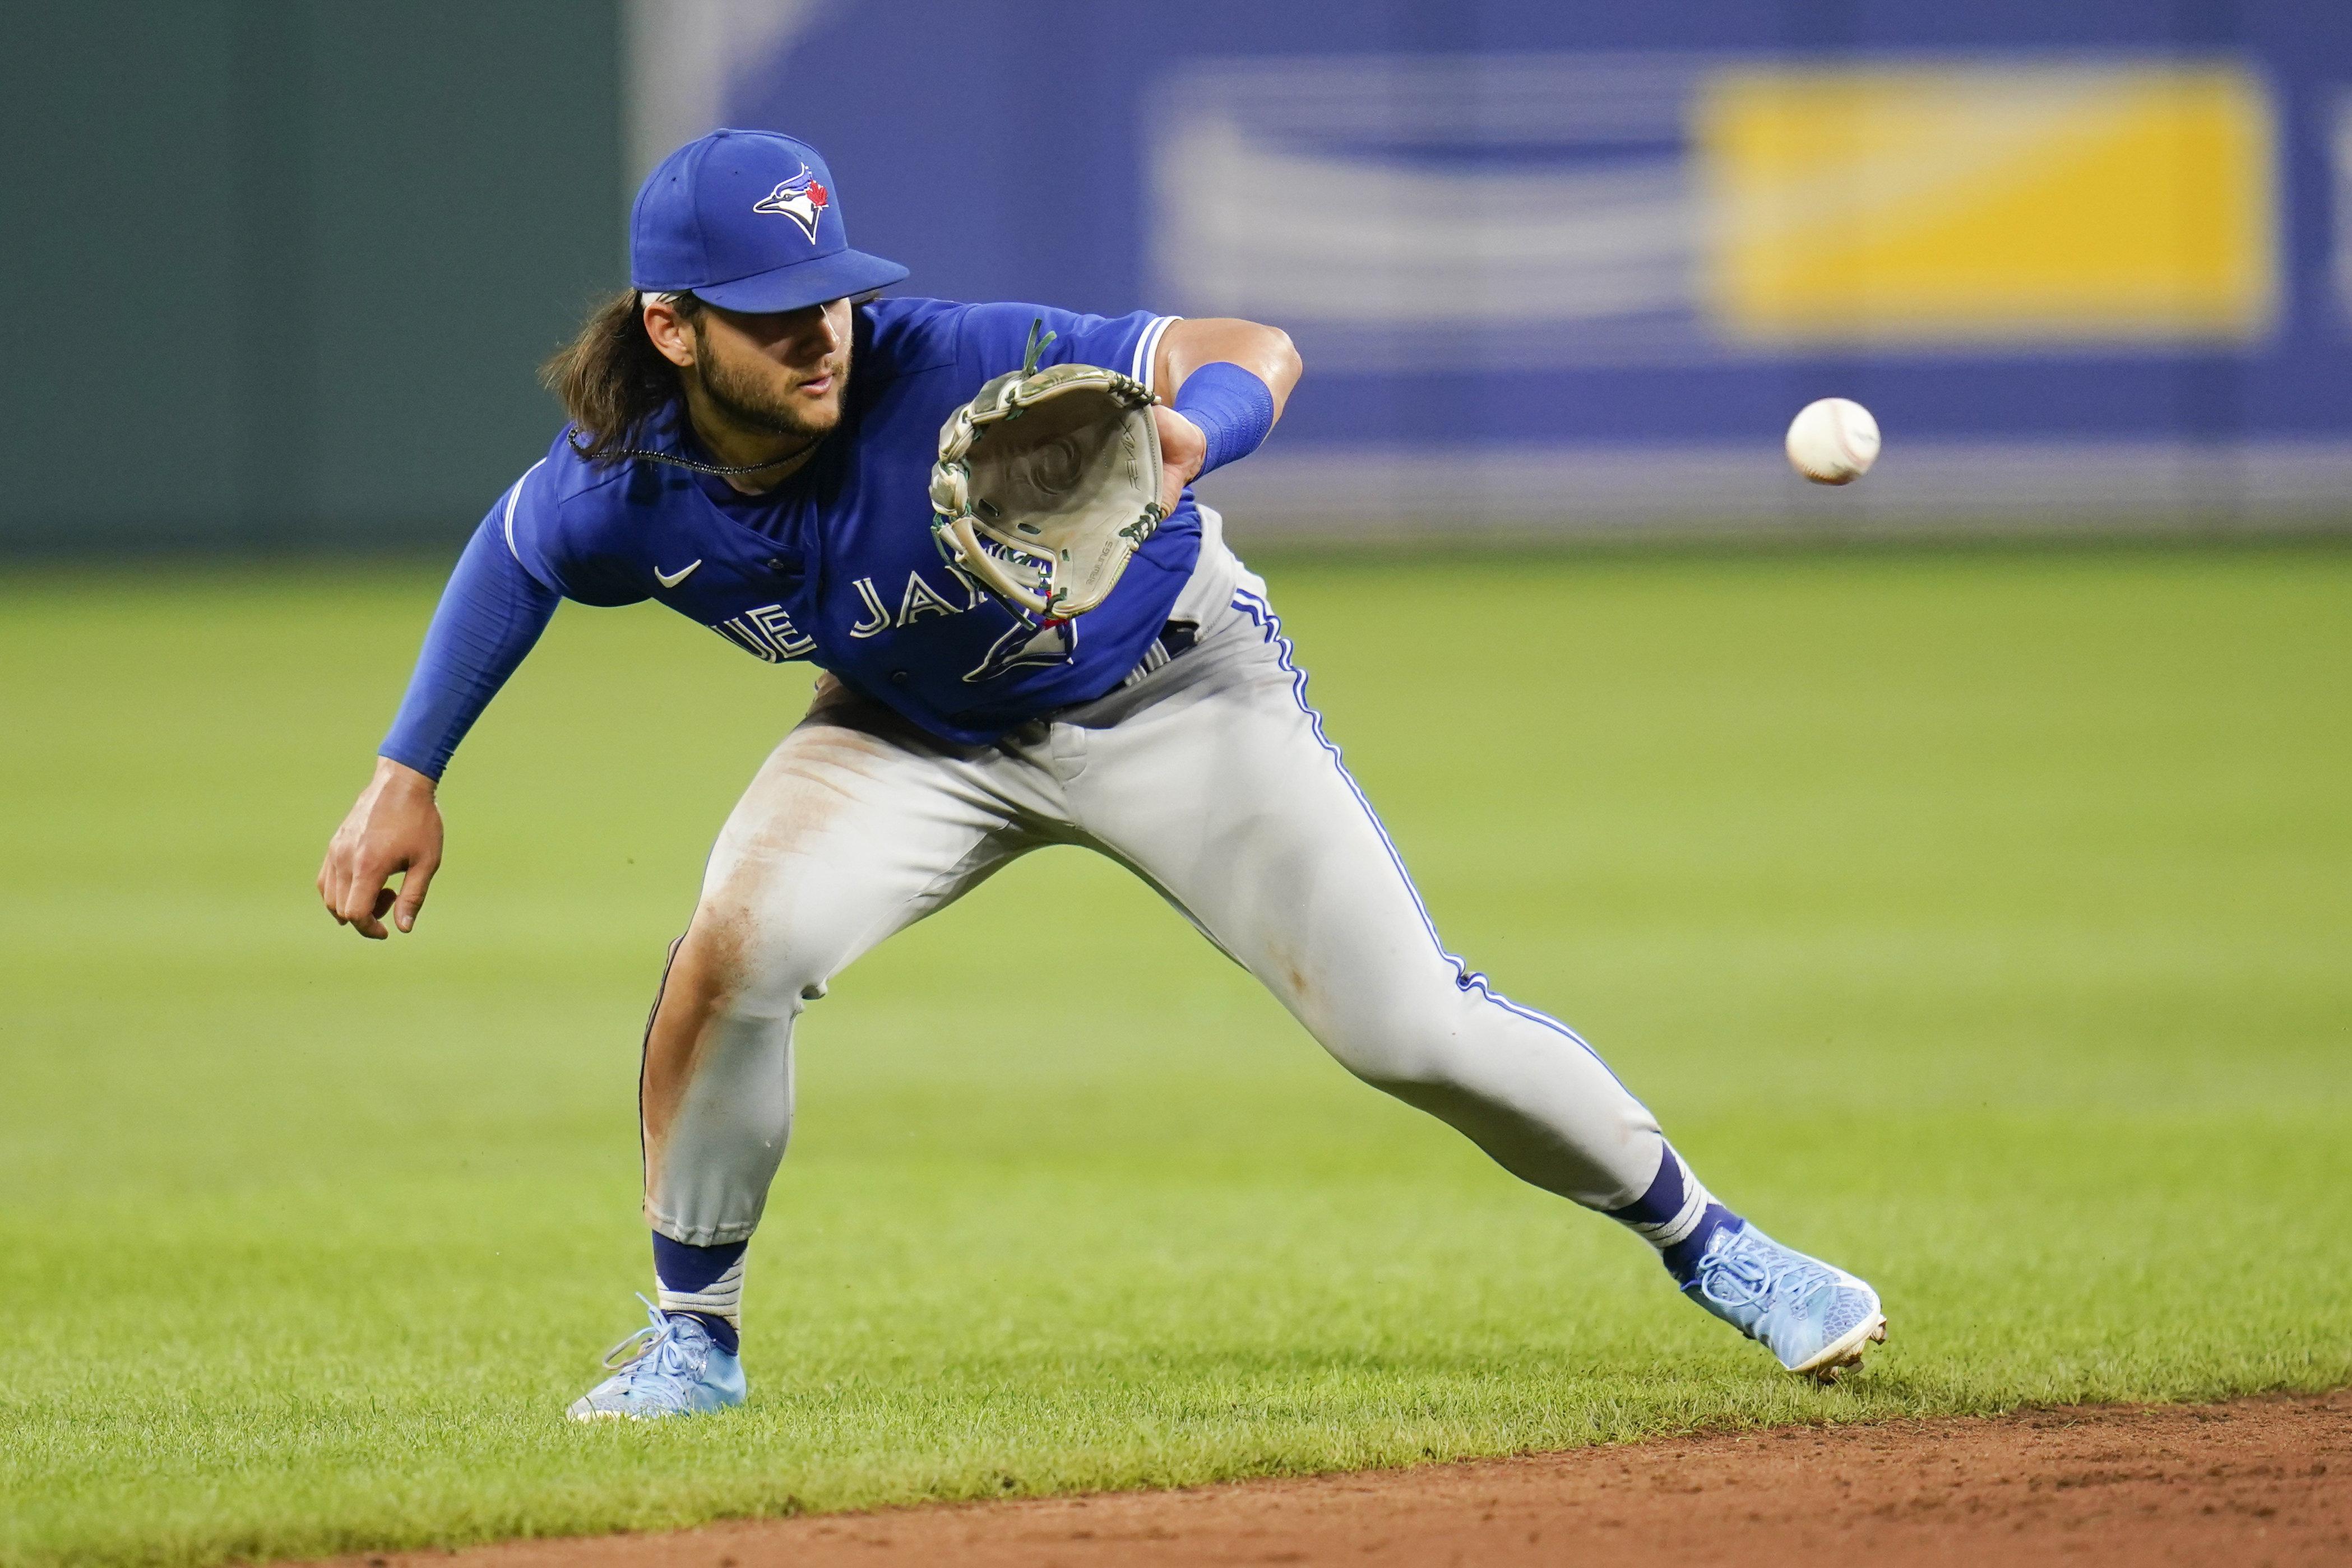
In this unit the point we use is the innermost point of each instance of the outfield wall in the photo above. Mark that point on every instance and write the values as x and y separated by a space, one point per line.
279 271
283 270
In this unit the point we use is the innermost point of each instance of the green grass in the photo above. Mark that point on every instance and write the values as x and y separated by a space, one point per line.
1977 919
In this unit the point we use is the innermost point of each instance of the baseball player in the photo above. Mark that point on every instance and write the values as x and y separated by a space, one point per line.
751 433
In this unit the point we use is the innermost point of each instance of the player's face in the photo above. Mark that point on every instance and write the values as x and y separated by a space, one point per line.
783 373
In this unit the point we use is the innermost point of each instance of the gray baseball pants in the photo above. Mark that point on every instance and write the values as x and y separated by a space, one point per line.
1210 779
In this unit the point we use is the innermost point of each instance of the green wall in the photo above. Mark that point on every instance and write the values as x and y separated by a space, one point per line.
279 275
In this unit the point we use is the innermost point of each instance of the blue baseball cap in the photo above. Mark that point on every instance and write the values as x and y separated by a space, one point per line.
748 220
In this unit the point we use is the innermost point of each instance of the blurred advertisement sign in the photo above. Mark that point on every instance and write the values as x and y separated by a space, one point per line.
1511 210
1557 268
2022 204
1593 209
2340 149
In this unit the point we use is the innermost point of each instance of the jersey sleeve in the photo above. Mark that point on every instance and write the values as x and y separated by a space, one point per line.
559 526
491 615
996 336
537 547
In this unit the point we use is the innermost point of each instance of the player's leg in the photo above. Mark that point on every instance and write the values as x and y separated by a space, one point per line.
856 827
1276 856
1224 796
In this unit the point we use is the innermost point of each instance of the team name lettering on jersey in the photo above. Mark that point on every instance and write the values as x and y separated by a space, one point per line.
918 600
767 633
922 598
878 614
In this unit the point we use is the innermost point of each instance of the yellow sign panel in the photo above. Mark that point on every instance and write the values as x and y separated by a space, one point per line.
1960 205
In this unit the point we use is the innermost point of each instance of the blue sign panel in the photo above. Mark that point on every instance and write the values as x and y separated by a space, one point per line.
1556 266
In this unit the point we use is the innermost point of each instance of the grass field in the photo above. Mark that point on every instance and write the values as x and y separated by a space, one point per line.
1977 919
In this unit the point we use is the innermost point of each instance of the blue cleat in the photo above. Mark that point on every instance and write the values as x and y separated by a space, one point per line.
671 1368
1815 1318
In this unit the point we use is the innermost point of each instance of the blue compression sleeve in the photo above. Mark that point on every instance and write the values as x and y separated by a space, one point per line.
1233 407
491 613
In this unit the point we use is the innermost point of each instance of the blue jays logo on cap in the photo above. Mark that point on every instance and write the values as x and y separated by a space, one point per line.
801 198
705 223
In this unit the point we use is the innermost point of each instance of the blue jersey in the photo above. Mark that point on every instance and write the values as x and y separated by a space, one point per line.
836 565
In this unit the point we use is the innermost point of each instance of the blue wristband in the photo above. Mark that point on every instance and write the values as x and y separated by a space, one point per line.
1234 409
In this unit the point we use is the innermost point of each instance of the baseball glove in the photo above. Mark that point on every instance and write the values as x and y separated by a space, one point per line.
1046 483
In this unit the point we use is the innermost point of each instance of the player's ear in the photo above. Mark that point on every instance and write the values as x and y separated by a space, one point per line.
671 334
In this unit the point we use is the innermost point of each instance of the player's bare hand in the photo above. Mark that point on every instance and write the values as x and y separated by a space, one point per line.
1182 450
394 827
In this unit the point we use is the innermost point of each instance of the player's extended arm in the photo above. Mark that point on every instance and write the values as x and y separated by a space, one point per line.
1226 382
491 615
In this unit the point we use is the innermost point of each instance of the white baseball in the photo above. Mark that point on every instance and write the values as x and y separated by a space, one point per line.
1834 441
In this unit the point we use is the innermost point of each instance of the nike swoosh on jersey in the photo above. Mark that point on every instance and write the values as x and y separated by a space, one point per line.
672 579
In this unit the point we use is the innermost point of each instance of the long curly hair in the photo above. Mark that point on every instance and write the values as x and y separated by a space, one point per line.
611 379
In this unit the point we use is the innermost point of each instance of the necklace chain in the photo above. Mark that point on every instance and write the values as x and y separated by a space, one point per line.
714 469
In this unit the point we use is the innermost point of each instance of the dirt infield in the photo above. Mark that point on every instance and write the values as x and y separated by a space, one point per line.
2253 1483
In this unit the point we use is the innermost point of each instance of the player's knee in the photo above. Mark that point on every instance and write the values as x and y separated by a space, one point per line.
735 959
1400 1036
1401 1059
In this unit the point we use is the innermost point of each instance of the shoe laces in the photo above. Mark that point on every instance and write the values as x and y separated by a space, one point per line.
1752 1276
658 1352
